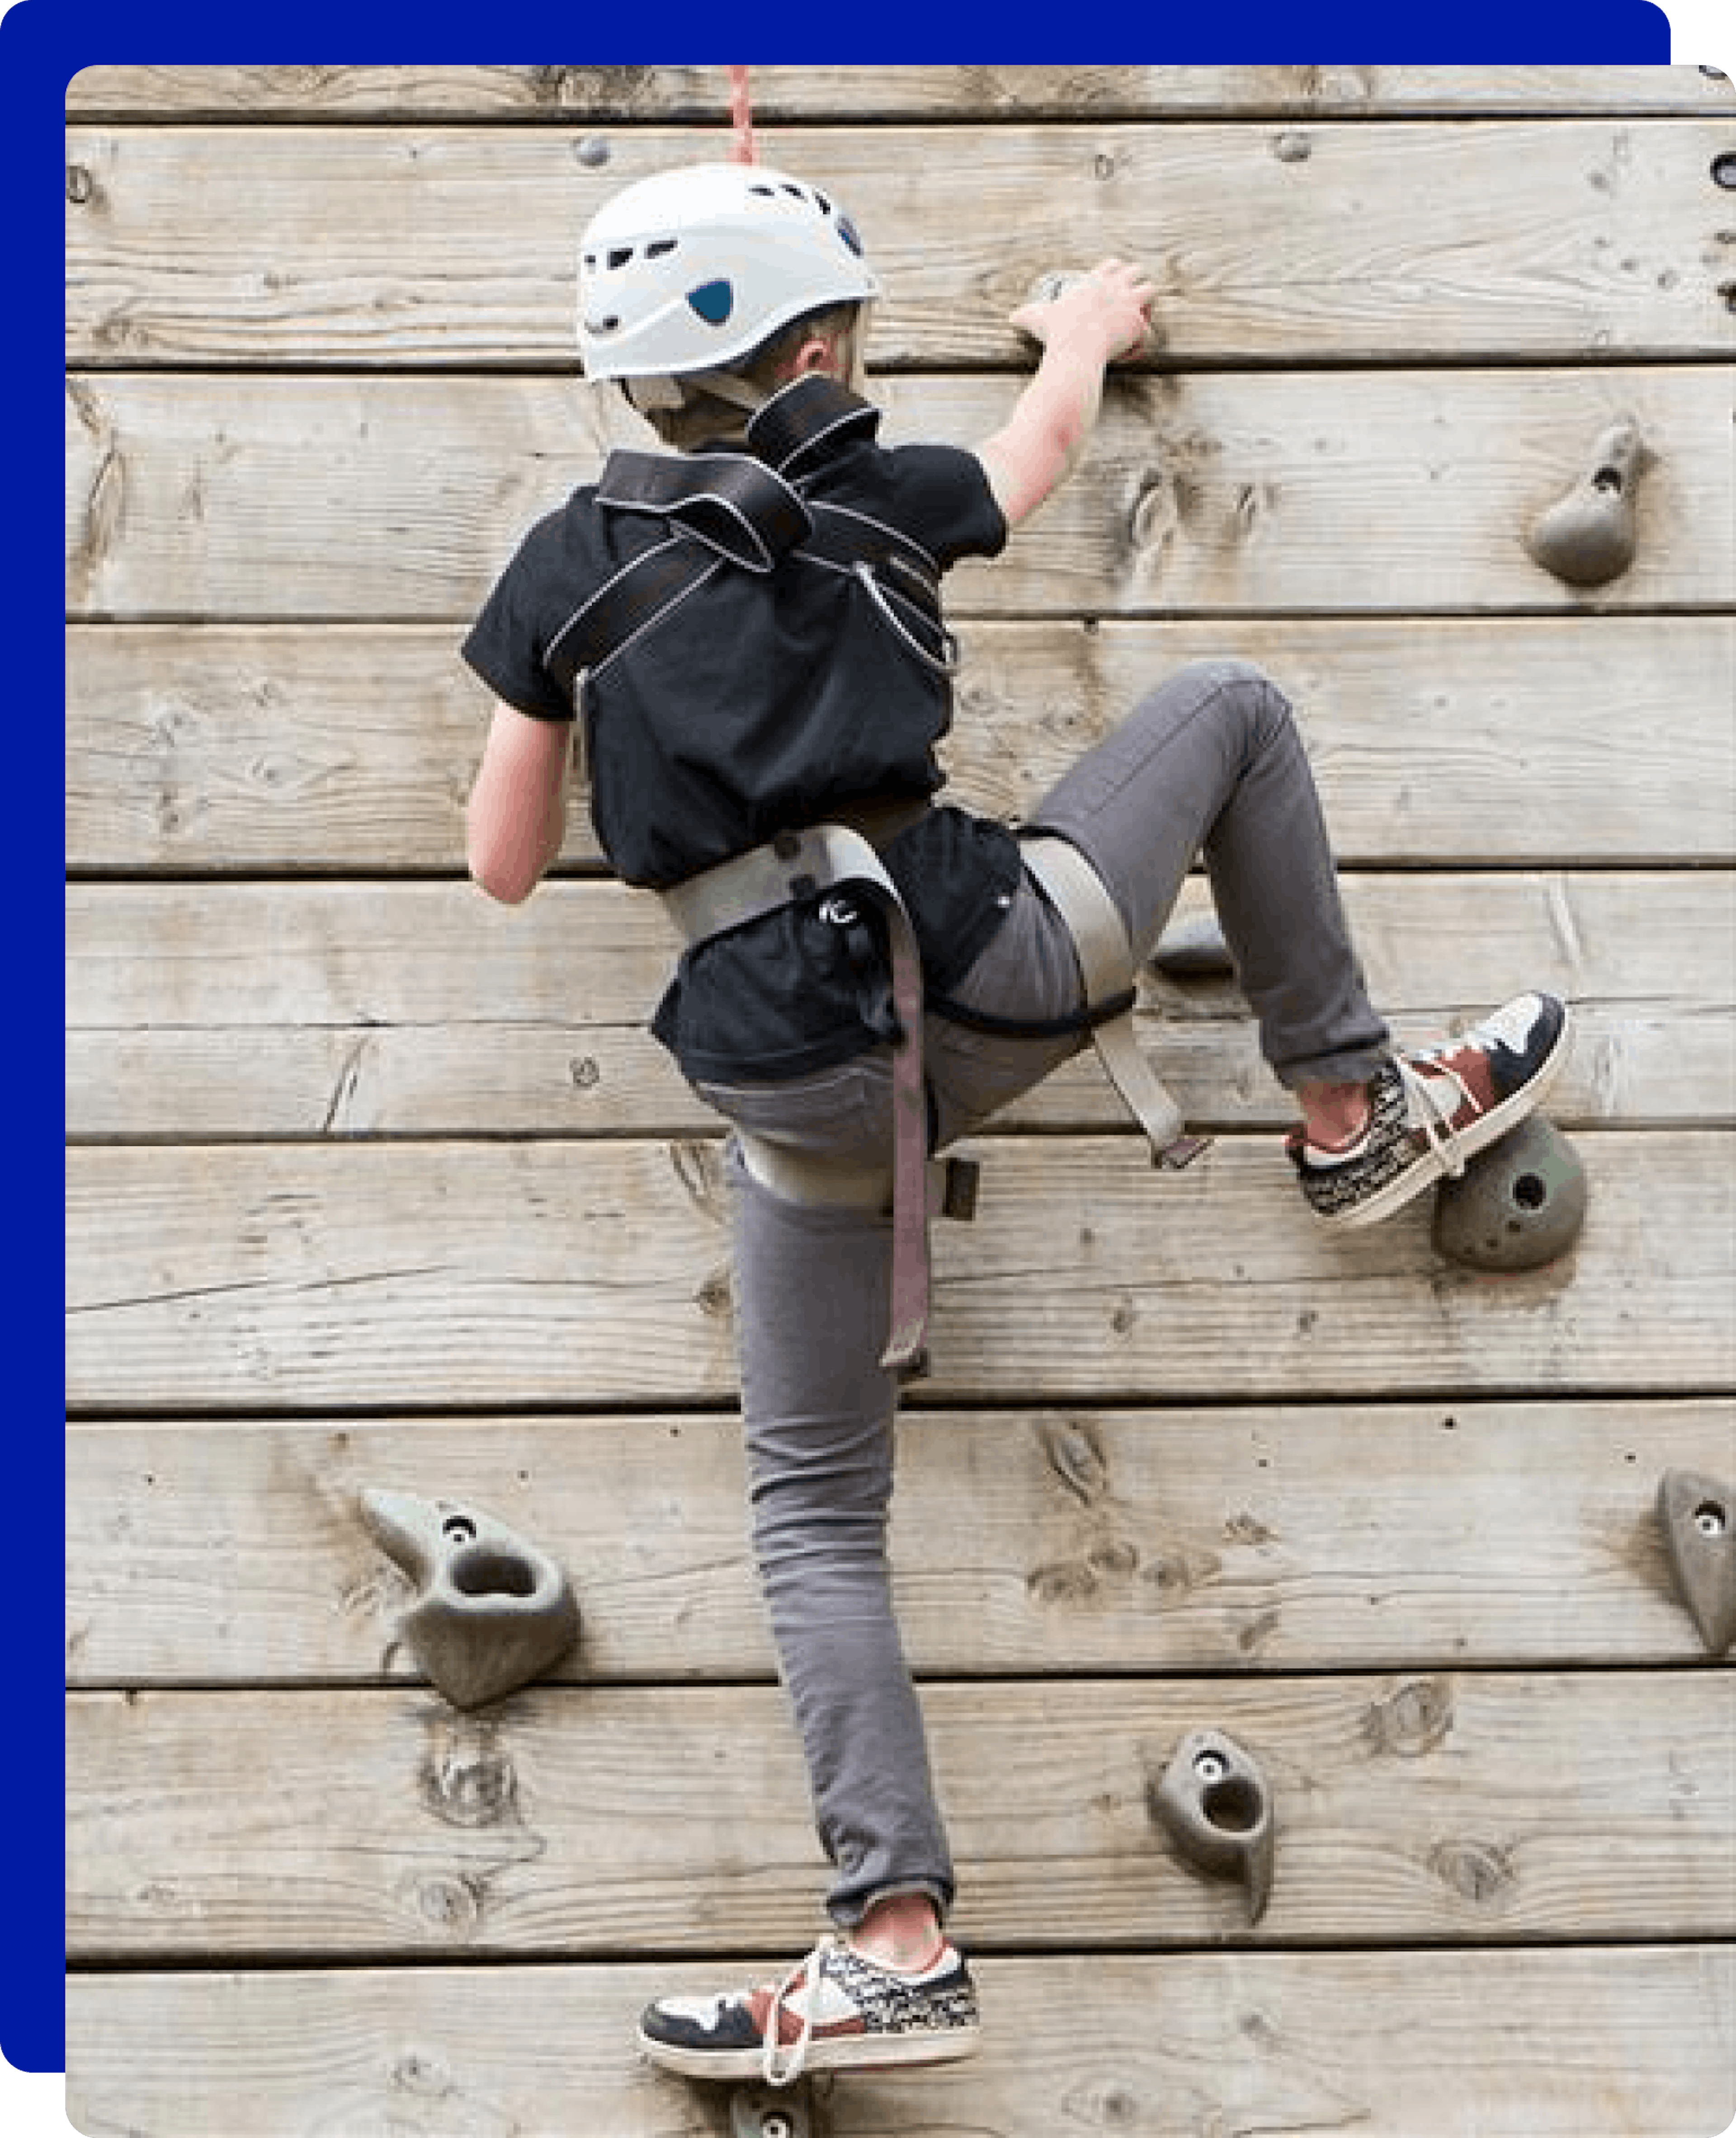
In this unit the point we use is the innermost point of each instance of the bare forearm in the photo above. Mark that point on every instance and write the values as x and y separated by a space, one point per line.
1042 442
516 818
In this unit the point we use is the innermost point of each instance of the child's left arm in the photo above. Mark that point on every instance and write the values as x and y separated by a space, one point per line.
516 818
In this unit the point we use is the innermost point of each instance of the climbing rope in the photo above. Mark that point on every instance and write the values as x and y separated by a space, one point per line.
741 116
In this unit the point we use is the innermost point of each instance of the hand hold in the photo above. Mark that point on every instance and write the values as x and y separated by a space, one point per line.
1214 1804
1517 1205
1053 282
1192 948
491 1613
1698 1518
1587 537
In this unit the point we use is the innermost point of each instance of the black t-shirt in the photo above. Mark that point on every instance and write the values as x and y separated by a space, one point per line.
761 702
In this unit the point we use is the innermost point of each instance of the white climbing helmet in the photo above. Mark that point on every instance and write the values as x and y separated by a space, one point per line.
692 268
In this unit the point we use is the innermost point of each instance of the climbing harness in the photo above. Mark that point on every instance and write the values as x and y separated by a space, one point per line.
753 512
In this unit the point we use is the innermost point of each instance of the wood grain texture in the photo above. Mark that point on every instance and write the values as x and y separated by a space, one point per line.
844 96
1459 1806
1387 1536
336 746
1486 2044
202 1010
196 495
452 1274
1358 241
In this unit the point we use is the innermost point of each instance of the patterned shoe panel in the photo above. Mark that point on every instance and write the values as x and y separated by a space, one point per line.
1432 1109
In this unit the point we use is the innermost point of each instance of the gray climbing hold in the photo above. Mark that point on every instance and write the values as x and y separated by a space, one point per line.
1192 948
1699 1519
1587 537
491 1611
1213 1802
757 2112
1517 1205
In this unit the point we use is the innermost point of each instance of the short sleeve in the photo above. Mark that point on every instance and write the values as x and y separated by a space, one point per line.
505 644
945 502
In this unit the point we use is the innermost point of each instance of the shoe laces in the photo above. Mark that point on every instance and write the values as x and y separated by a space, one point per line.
782 2067
1425 1105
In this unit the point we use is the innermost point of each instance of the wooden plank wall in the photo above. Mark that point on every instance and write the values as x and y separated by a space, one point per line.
372 1184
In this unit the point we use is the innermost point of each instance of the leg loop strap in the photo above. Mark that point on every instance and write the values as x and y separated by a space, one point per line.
798 865
1105 966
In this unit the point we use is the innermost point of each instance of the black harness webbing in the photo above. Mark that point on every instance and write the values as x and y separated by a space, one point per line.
746 510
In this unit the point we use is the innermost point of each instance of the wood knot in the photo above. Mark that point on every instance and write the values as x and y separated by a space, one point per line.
1075 1455
1478 1871
468 1781
450 1902
1411 1721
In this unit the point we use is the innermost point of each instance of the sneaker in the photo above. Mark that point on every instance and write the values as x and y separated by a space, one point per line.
857 2016
1430 1110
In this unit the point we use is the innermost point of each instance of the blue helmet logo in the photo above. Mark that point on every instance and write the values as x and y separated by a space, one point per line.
714 302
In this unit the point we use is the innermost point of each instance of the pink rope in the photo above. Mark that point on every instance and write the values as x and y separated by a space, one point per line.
741 116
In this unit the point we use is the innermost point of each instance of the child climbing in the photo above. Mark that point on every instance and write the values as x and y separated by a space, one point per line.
749 628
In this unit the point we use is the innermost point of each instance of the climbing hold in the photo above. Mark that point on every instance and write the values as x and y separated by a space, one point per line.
1588 536
491 1611
1052 283
1699 1517
756 2112
1193 949
1213 1802
1517 1205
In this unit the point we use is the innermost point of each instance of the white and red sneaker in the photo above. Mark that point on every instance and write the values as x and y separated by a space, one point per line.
834 2010
1431 1109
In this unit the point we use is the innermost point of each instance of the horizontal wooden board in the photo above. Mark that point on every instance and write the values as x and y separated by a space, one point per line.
1388 1536
1488 2044
364 1009
366 246
1458 1806
305 1276
563 94
373 498
331 746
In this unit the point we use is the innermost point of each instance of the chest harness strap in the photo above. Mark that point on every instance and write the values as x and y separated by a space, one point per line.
750 510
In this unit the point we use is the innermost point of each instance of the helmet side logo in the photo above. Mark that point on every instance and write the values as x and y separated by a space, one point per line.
714 302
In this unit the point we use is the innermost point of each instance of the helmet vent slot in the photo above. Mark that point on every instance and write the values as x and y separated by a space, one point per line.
620 256
662 248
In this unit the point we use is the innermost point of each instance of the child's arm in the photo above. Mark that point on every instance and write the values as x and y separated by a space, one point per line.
517 814
1101 317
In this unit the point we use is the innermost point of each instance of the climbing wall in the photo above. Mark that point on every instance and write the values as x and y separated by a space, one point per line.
373 1184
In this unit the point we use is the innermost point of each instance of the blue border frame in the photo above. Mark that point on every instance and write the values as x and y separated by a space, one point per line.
43 44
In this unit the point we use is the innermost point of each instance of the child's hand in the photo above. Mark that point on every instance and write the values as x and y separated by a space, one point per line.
1106 312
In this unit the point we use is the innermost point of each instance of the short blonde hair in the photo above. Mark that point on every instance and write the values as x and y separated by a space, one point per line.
703 417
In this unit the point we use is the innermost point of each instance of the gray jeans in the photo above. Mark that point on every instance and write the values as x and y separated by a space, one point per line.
1209 764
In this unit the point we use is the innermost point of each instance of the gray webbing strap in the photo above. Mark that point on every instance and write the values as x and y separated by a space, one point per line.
1105 966
798 865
